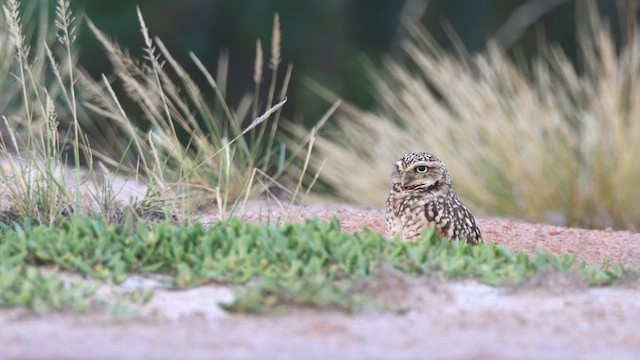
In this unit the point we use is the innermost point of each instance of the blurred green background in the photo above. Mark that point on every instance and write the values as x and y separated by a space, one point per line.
326 41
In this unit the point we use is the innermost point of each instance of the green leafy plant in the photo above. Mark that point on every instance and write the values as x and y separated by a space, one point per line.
273 266
30 287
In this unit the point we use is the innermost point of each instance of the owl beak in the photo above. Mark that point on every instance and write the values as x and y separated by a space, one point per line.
406 181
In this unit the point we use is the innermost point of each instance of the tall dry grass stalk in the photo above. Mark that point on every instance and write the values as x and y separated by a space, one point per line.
543 143
31 144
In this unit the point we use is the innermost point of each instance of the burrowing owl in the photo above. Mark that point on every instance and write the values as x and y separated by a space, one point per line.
421 197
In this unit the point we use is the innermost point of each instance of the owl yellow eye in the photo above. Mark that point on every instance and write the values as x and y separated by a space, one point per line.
421 169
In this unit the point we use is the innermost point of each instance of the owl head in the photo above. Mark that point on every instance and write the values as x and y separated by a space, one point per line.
420 171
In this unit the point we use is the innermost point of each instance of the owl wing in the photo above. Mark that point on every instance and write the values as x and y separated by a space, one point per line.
466 226
393 226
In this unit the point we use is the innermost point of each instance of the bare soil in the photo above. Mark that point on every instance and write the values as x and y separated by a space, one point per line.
551 317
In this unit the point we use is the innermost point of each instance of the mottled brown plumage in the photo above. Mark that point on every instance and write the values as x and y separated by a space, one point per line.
421 197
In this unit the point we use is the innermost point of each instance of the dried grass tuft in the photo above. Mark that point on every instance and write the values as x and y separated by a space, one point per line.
543 143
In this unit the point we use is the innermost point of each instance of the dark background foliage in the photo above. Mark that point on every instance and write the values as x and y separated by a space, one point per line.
328 40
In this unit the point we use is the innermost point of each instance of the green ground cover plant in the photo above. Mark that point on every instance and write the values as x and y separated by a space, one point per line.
272 266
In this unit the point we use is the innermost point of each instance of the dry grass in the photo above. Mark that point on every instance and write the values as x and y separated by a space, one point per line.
67 137
542 142
201 151
31 144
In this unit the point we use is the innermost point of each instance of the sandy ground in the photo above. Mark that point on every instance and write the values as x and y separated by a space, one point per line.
553 317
